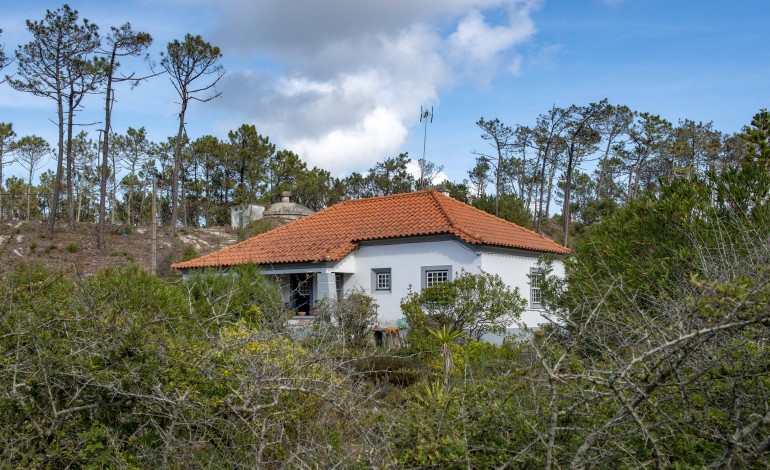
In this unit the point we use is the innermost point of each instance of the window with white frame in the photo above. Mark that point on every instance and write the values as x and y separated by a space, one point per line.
381 280
433 275
535 295
436 277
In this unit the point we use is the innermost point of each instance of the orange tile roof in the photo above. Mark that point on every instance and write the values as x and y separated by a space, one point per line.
332 233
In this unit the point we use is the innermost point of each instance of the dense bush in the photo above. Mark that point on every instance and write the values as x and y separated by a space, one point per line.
349 320
474 304
660 360
125 370
242 293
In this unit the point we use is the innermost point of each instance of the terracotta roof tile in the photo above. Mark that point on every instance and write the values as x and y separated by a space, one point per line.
330 234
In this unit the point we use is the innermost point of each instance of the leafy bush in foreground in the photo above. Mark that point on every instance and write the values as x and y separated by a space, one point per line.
125 370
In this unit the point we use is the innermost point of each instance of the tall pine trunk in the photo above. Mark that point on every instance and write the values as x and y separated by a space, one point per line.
113 195
59 170
130 198
550 187
29 190
565 213
2 196
539 217
70 162
105 154
79 205
177 166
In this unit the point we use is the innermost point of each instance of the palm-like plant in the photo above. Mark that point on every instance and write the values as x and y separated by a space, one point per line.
446 336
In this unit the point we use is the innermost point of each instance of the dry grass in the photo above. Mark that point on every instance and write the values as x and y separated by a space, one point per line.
79 254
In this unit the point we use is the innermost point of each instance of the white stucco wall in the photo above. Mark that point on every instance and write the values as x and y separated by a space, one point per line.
346 264
514 268
405 261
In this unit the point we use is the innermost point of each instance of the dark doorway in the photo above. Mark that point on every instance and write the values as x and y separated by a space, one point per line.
301 293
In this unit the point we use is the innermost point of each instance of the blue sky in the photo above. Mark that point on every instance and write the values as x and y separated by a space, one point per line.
341 82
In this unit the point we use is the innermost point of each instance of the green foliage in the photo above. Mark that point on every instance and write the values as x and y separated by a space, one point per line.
66 340
116 371
488 421
757 136
242 293
474 304
664 316
446 336
655 361
651 245
659 359
255 228
189 252
397 368
459 191
387 177
511 208
350 318
250 155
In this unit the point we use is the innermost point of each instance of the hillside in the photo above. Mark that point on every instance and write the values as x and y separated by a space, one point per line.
76 252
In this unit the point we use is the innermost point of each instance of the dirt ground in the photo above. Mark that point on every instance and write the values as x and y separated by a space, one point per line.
76 252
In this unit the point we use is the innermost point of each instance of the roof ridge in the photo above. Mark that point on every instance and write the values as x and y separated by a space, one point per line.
513 224
449 219
335 231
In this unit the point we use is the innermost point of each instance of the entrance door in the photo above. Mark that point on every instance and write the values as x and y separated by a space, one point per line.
301 293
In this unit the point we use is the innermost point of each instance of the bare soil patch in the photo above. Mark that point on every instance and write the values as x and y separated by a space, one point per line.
75 251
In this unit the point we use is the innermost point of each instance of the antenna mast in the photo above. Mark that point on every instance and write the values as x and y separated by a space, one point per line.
426 116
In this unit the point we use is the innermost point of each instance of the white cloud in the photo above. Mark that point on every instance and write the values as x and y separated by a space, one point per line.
351 76
413 167
380 133
477 41
292 87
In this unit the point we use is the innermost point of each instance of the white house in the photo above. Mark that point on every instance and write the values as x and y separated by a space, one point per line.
387 245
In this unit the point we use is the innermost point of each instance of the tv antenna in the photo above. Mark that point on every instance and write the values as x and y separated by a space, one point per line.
426 116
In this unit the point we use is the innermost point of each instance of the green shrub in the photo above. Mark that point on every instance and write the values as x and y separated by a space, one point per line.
400 371
352 318
189 252
472 303
255 228
242 293
121 370
72 248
